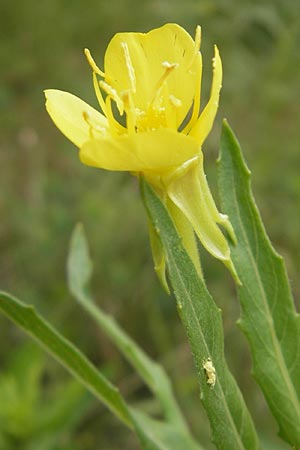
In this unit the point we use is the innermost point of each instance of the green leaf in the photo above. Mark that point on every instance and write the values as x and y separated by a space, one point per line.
268 318
79 274
153 374
66 353
66 408
72 359
154 434
231 424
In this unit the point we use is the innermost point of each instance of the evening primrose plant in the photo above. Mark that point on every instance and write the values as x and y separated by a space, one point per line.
151 124
153 80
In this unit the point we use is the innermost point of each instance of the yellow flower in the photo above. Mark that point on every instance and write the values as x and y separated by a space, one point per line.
151 124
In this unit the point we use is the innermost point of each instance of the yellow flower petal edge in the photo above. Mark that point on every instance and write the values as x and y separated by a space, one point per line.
150 123
205 122
148 57
71 115
150 152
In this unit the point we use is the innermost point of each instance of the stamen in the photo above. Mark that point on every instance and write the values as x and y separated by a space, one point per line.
130 111
175 101
168 65
171 112
113 94
116 127
197 98
92 63
93 126
196 105
99 93
87 119
197 38
196 48
129 66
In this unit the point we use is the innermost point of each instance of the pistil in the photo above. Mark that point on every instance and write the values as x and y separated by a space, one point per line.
169 67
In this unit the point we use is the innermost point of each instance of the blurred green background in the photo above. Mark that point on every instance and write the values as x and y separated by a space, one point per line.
45 191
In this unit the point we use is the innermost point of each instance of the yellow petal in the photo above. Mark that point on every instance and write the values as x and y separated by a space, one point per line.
67 112
157 150
205 122
143 64
190 197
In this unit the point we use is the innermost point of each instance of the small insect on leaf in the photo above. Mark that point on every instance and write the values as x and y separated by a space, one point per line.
210 372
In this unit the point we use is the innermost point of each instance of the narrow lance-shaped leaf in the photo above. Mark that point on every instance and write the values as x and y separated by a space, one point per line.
79 274
66 353
268 318
173 433
231 424
72 359
158 435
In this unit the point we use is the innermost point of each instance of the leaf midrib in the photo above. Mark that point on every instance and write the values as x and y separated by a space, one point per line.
229 415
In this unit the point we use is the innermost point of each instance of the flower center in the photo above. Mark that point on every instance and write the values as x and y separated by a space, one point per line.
160 112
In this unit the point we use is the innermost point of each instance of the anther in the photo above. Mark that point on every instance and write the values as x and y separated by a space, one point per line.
93 126
92 63
113 94
130 111
129 66
198 38
168 65
175 101
115 127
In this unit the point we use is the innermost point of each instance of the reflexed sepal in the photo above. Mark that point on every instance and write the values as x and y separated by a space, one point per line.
189 191
186 232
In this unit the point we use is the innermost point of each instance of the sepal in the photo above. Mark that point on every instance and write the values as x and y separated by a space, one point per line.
186 232
189 191
159 257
